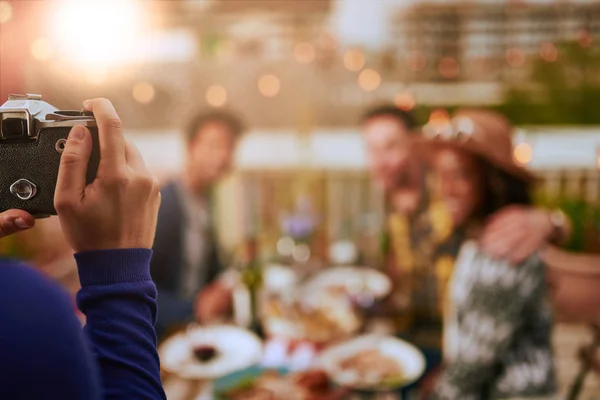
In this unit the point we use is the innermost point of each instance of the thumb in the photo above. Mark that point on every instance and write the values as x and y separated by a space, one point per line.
73 166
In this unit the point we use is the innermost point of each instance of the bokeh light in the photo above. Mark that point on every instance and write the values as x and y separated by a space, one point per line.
515 57
548 52
304 53
439 117
354 60
42 49
523 153
584 37
216 95
449 68
405 101
5 12
269 85
285 246
369 80
143 92
104 32
416 61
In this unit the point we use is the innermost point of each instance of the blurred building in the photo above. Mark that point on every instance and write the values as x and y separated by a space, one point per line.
485 43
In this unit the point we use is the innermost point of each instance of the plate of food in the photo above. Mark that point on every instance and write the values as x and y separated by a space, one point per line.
355 282
373 363
318 322
209 352
276 384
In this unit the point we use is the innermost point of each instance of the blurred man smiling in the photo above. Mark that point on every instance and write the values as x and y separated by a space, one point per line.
186 263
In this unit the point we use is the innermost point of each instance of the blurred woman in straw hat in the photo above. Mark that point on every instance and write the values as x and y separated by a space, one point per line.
497 322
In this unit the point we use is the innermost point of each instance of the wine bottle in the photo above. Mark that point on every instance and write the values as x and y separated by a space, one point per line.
252 278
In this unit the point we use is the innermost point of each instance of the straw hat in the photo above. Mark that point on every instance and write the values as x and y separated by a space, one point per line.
483 133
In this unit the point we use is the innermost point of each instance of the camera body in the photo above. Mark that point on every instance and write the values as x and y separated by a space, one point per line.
33 135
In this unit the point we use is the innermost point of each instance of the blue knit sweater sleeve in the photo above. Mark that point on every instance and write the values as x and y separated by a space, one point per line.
118 298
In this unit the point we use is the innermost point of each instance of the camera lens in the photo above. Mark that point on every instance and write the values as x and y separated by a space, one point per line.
13 128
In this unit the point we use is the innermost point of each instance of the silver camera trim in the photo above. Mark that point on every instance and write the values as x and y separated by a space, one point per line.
32 187
39 114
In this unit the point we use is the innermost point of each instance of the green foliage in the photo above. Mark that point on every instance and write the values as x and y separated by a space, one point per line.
585 220
564 92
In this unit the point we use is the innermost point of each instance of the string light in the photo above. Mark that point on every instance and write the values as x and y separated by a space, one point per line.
143 92
304 53
42 49
216 95
405 101
515 57
416 61
269 85
439 117
369 80
354 60
5 12
449 68
523 153
548 52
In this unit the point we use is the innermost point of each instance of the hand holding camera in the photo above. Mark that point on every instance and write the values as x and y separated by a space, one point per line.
119 208
106 202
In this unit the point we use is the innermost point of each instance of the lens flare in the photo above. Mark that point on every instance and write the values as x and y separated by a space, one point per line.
92 32
5 12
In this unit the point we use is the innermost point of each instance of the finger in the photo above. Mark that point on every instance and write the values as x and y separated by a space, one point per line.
524 250
501 242
13 221
511 231
134 157
497 249
71 182
502 220
110 133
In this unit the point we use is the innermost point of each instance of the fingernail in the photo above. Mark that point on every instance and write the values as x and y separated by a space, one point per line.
86 103
21 223
78 132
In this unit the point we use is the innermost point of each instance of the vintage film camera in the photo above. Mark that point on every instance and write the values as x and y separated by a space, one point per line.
33 135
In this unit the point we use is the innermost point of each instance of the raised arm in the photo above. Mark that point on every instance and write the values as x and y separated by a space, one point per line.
118 298
517 232
110 224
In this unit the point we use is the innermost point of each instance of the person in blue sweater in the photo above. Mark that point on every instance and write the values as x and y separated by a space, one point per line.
110 224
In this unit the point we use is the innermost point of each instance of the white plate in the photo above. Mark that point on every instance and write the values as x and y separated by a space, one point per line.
409 358
356 280
236 348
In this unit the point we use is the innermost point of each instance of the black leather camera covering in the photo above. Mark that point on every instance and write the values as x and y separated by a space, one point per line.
38 163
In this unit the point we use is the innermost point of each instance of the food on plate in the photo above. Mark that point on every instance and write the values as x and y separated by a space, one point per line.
370 368
309 385
205 353
318 322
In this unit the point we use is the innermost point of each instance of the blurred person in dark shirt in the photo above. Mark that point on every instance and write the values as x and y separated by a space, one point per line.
186 264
